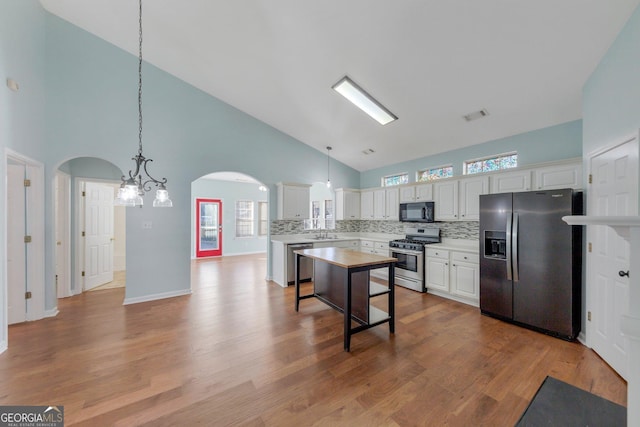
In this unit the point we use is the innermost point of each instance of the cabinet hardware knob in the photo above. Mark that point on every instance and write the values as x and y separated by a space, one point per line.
623 273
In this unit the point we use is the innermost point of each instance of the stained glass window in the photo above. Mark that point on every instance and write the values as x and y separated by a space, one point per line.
398 179
435 173
490 164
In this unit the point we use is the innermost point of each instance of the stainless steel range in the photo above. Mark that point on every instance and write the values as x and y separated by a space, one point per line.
409 270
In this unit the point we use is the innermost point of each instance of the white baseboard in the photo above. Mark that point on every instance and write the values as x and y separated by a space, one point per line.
153 297
582 339
3 346
51 313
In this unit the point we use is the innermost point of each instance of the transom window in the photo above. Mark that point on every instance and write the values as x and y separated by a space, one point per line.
490 164
244 218
389 180
435 173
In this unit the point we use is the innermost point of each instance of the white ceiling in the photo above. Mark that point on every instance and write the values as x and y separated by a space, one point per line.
428 61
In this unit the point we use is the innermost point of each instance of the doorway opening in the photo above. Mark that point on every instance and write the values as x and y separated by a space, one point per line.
95 254
229 215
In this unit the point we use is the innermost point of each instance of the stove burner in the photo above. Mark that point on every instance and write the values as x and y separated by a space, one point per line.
416 238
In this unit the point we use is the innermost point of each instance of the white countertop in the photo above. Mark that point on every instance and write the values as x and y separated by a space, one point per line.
449 244
457 245
289 239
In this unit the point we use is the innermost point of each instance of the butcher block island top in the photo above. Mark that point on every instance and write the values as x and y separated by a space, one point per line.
342 281
344 257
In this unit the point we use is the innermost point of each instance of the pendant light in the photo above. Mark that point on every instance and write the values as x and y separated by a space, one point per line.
133 188
328 159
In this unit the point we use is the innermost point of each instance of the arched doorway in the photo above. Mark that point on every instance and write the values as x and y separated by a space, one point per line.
89 230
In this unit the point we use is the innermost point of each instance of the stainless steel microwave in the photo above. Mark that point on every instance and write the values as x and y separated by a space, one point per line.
416 212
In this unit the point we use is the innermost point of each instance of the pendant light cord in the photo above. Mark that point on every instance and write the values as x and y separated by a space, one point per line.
140 80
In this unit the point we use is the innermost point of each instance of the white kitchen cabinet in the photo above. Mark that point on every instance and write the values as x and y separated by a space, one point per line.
392 204
437 269
465 275
470 191
293 201
424 192
347 204
446 200
507 182
559 176
367 204
416 193
407 193
379 204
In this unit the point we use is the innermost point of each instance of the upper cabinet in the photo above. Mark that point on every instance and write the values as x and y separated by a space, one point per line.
392 204
567 174
347 204
445 196
470 191
416 193
367 204
508 182
459 199
293 201
559 176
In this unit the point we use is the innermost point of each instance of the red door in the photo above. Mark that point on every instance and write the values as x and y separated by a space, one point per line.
208 228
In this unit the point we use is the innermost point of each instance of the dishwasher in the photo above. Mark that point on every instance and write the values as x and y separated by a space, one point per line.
306 264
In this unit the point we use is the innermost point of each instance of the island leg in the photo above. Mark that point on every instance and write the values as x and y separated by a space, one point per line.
392 287
297 280
347 312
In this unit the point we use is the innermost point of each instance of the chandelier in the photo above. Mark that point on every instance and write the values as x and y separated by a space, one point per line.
133 188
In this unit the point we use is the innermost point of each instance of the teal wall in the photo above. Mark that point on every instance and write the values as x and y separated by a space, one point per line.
22 120
229 192
563 141
92 112
611 96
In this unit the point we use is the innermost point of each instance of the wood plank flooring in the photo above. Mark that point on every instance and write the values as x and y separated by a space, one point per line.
235 352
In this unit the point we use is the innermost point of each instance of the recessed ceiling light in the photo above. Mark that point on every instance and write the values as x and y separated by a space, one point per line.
361 99
476 115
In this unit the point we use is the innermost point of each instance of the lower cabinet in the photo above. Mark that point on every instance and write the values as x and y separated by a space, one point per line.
378 248
437 269
453 274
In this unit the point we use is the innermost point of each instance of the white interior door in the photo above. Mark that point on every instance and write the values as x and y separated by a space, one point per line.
16 251
614 191
98 259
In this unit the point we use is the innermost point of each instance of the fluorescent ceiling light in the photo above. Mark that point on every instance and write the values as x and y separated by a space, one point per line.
354 93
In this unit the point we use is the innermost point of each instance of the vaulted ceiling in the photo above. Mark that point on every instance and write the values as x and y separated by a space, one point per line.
429 61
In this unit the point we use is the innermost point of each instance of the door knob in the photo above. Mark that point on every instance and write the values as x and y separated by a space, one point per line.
623 273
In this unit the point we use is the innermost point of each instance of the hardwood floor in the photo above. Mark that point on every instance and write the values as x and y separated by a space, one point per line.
236 353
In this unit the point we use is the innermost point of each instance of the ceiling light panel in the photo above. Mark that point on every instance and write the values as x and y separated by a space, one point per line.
361 99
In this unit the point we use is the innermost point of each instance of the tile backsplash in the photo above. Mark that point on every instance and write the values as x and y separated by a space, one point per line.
449 230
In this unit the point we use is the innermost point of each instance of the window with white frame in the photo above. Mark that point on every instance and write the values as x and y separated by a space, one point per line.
397 179
491 164
431 174
263 221
244 218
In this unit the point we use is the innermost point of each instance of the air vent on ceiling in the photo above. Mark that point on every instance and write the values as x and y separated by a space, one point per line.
476 115
368 151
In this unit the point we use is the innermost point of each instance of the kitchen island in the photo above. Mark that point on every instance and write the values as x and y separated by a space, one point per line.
342 281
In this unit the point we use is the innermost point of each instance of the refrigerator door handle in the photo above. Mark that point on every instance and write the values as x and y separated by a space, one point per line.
509 276
514 234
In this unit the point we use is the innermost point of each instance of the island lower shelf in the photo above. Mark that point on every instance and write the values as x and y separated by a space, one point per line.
342 280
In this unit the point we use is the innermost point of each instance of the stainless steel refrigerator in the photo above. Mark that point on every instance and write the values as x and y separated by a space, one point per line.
531 260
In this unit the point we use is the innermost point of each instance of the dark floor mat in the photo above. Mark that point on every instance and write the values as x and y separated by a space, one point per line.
557 403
